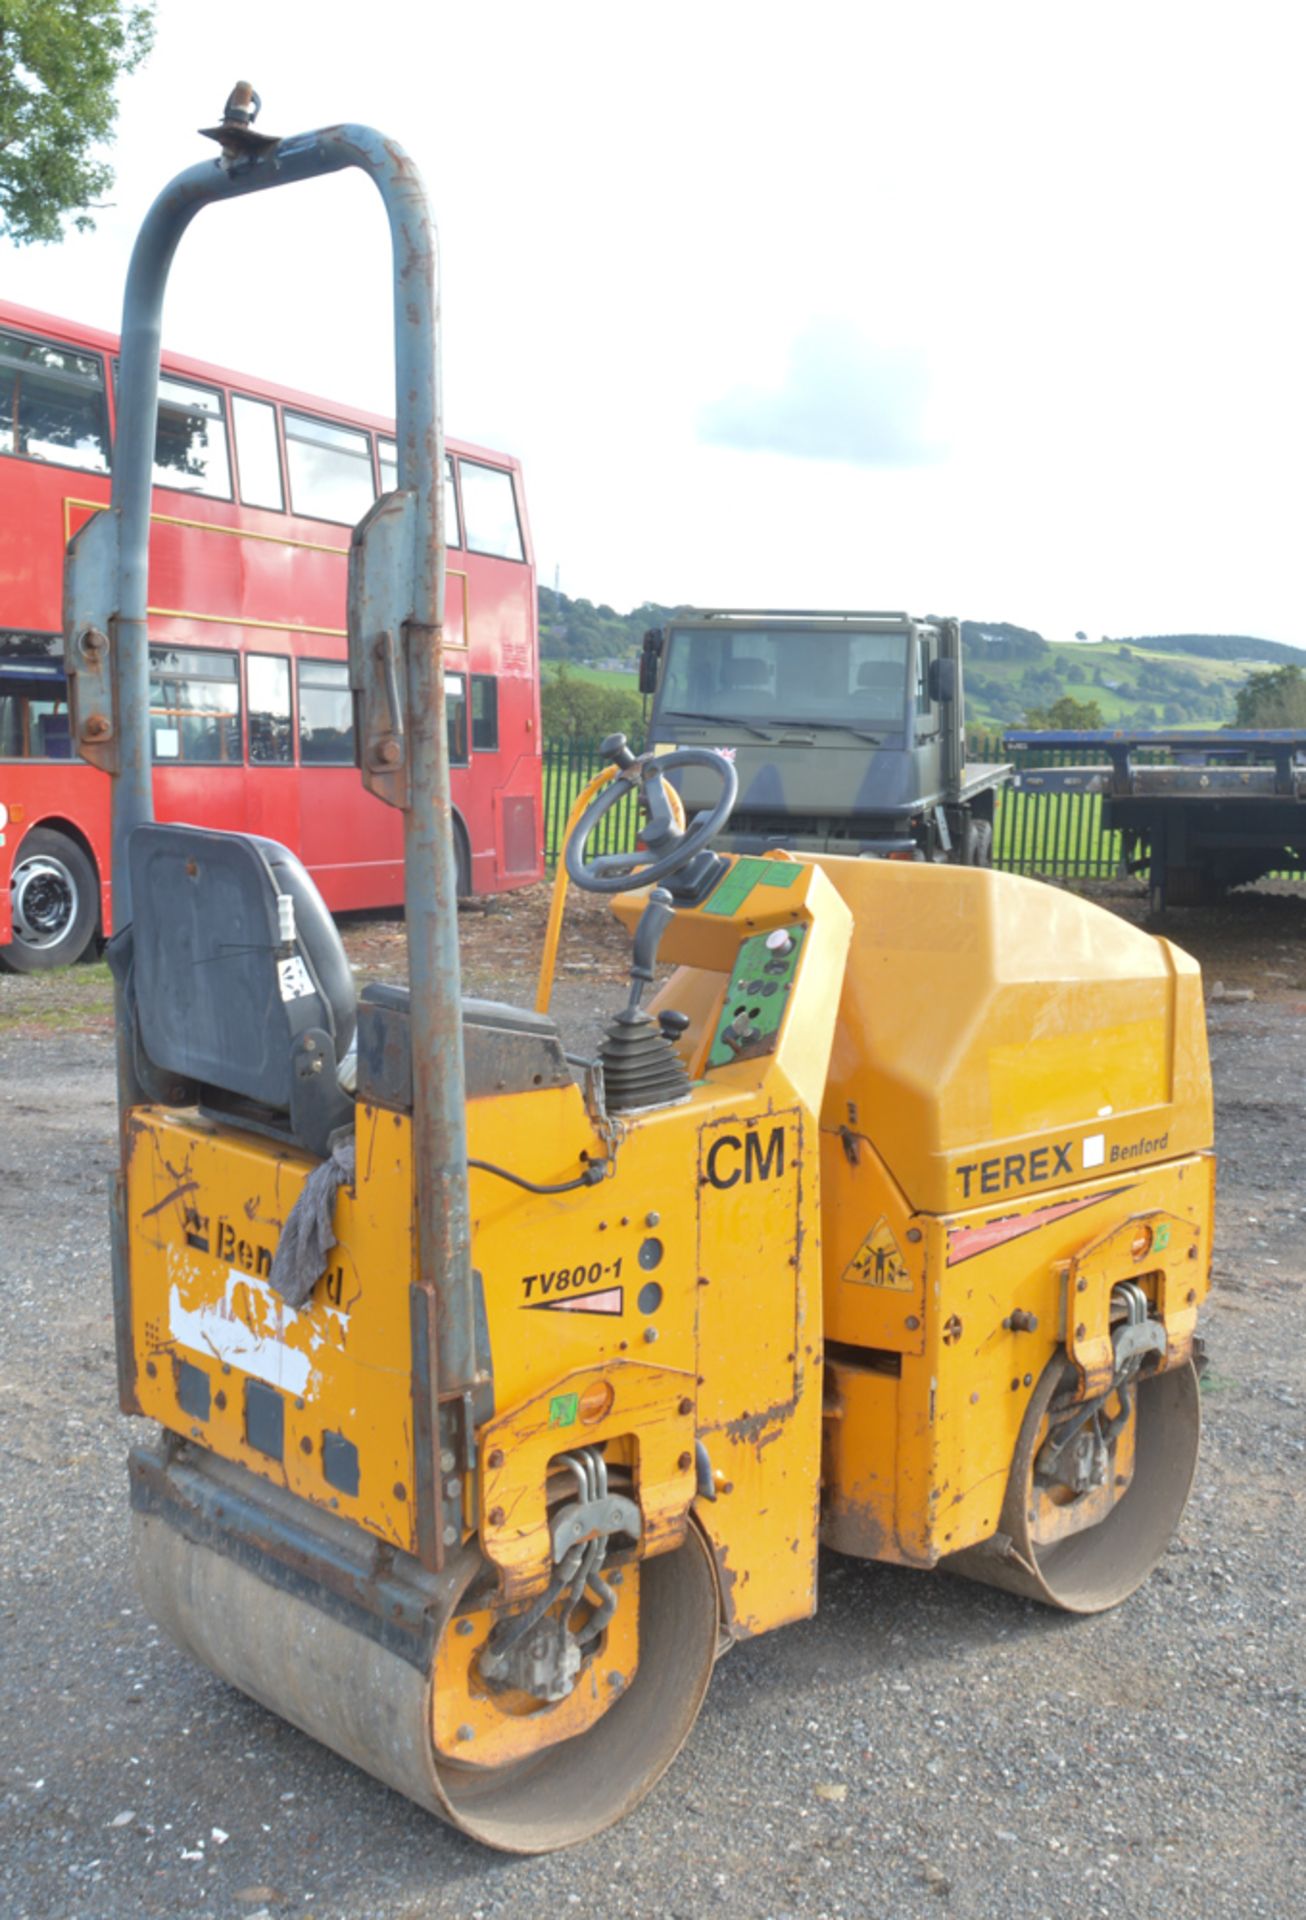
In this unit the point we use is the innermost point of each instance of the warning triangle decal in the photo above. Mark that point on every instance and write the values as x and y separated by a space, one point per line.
878 1262
609 1301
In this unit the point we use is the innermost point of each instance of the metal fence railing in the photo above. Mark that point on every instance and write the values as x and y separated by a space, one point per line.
568 764
1058 836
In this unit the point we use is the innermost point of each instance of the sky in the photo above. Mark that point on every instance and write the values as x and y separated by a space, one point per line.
992 309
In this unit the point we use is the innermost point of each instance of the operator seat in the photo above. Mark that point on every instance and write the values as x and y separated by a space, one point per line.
233 1016
240 980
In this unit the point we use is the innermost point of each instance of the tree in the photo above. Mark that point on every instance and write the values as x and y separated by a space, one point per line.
578 709
1276 699
60 62
1067 715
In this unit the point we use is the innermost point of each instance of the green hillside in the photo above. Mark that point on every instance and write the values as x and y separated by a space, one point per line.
1130 683
1169 680
577 630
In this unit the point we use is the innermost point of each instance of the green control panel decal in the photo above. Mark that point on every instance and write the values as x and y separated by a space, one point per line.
757 996
743 876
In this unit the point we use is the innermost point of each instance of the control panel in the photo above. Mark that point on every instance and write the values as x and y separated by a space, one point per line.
754 1006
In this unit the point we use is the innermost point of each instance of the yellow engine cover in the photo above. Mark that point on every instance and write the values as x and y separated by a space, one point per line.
999 1038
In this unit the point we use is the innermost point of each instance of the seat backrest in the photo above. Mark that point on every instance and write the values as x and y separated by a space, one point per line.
747 671
54 736
879 676
222 997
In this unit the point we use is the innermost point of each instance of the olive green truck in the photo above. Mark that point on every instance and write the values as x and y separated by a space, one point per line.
846 730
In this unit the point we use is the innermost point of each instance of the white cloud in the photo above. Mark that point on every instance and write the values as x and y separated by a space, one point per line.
841 398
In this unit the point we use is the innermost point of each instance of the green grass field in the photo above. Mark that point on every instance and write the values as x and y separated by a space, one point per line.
597 676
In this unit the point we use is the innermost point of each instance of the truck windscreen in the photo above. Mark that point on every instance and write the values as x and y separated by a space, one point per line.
801 676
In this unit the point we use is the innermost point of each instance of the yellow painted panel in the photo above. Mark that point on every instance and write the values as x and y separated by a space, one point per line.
1125 1065
749 1174
859 1475
951 1422
507 1726
315 1399
874 1269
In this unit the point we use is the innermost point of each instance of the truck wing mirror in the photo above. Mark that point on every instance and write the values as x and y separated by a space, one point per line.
943 679
649 660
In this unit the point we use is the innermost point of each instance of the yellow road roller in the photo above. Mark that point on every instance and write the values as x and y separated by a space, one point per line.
498 1391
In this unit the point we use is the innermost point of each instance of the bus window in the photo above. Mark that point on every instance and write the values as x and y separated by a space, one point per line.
52 404
330 469
257 454
388 455
34 720
491 511
267 690
194 706
326 715
485 713
455 716
190 446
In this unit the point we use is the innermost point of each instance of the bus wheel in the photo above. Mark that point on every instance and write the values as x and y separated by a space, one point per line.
462 862
54 895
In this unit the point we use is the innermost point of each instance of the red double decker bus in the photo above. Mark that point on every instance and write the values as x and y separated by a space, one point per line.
257 489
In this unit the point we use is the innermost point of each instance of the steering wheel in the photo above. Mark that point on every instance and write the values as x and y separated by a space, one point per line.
666 848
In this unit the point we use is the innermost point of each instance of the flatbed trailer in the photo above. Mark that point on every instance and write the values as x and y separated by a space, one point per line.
1222 808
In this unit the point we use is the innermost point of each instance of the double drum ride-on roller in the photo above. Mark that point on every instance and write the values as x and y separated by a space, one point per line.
497 1397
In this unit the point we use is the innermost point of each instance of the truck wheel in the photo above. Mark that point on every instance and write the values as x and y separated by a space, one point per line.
1193 887
973 846
54 893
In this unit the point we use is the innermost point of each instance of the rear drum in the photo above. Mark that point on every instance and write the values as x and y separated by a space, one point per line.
1103 1562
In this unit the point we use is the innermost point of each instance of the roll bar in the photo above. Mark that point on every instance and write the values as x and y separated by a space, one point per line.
396 611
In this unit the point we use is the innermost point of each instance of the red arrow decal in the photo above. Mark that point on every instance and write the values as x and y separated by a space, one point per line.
609 1301
965 1242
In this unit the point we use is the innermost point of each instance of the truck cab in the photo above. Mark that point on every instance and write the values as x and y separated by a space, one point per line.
845 729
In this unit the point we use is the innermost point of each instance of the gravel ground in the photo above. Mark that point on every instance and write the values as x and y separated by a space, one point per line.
923 1747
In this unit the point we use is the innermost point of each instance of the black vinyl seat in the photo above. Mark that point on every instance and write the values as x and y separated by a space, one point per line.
244 996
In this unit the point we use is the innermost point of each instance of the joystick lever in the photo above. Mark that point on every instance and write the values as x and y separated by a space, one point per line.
653 922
